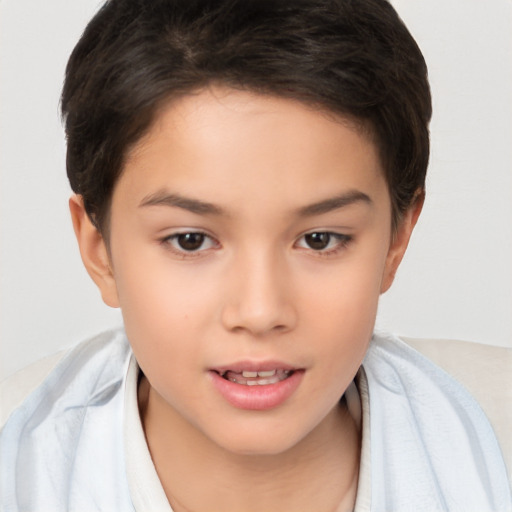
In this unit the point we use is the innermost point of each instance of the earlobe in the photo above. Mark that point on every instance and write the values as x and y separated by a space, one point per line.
400 241
94 252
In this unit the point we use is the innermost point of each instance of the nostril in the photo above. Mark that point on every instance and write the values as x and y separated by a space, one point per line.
259 313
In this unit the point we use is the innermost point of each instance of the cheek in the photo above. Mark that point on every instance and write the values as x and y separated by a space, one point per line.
342 310
344 326
347 293
165 308
152 286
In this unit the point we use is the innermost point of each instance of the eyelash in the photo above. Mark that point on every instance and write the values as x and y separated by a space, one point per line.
171 242
341 241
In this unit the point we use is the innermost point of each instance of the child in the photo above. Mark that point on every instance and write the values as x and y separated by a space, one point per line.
247 177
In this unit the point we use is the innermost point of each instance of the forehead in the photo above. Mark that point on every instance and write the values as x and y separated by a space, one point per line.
216 107
219 141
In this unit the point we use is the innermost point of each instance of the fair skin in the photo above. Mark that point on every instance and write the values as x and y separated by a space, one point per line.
289 246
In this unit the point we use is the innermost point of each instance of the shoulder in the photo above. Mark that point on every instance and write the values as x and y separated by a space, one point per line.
15 389
69 420
482 370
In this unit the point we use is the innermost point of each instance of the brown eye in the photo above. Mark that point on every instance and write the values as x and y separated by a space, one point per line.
324 242
190 241
318 241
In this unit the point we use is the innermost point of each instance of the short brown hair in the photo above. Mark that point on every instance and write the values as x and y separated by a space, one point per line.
350 57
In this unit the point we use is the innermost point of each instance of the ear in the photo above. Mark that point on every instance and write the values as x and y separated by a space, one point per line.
400 240
94 252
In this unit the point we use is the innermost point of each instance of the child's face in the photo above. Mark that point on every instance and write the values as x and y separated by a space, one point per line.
289 246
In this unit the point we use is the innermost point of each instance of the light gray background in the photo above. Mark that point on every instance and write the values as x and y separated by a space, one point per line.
456 278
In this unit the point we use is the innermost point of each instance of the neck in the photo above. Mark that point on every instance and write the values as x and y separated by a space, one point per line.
319 473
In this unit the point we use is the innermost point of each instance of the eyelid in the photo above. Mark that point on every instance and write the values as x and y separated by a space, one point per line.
167 242
342 240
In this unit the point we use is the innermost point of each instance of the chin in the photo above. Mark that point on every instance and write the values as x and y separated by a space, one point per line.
254 439
258 447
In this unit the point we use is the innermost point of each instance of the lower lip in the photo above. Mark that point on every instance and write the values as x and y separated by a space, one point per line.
257 398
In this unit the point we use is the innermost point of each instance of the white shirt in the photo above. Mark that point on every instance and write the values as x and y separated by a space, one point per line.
77 444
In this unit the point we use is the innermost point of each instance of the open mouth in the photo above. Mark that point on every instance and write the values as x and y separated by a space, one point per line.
257 386
259 378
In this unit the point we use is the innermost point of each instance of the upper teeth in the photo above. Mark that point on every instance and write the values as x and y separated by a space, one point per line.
269 373
252 378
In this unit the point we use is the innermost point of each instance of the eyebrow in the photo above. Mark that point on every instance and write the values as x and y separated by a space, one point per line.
333 203
178 201
163 198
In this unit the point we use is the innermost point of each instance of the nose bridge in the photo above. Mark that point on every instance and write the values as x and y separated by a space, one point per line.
260 298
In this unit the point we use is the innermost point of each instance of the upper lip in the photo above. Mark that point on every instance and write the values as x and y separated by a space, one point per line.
254 366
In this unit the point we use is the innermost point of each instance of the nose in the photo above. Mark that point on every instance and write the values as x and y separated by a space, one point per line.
260 298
